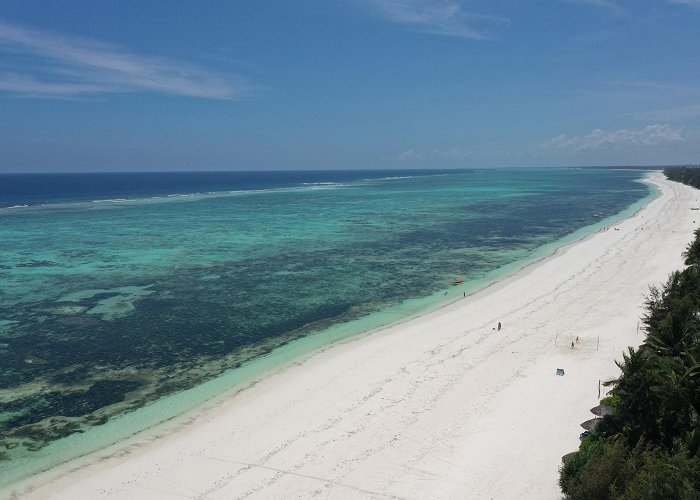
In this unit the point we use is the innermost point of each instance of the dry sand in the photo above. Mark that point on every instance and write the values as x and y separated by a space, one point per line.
441 406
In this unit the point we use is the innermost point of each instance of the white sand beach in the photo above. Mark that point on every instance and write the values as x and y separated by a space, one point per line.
440 406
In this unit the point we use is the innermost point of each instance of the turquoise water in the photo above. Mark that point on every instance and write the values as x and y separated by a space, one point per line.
108 305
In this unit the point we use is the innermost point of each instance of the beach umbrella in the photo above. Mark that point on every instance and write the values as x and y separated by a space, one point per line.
591 424
601 410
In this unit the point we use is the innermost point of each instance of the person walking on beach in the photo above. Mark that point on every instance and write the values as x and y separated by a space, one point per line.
572 344
499 326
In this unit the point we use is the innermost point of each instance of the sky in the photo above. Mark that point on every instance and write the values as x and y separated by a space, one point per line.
163 85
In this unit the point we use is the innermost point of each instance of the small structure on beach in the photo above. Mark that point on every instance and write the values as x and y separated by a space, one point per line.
560 372
591 424
602 410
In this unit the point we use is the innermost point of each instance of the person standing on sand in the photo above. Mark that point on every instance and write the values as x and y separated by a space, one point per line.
499 326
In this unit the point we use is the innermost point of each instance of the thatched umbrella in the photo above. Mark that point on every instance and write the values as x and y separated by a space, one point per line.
602 410
591 424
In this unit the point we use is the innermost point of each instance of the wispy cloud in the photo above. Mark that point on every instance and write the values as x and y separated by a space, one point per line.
610 5
692 3
649 136
453 153
650 101
437 17
456 153
627 8
600 3
52 65
674 113
668 100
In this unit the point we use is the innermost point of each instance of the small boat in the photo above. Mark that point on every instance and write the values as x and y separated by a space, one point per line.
458 281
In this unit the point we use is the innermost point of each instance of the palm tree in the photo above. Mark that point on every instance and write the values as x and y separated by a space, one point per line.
676 332
692 251
638 406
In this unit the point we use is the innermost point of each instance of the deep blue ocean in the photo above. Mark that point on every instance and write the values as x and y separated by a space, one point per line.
118 290
17 190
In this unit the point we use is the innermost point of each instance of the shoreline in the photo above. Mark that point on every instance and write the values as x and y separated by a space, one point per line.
283 383
156 414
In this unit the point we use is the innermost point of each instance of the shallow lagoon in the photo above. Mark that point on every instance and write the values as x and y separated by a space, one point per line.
108 306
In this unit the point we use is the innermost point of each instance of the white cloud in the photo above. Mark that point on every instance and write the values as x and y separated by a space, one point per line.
61 66
409 154
437 17
649 136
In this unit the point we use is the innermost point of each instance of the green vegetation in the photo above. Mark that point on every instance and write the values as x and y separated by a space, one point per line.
649 446
686 175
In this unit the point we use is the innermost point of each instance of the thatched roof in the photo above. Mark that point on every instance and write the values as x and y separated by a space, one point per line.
591 424
601 410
